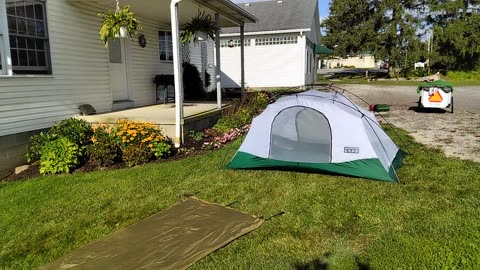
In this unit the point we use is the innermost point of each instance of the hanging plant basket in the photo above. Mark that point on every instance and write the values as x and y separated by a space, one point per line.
119 24
123 32
201 36
199 28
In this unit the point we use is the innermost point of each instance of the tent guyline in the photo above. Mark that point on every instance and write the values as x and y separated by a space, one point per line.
312 131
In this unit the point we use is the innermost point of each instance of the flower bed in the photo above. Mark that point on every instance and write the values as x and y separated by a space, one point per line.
75 145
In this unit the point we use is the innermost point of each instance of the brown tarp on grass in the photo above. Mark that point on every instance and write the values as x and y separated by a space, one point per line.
172 239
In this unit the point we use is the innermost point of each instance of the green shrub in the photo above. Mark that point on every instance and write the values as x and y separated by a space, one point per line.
37 142
127 132
136 154
462 75
192 83
59 156
161 149
255 103
195 136
102 154
77 131
228 122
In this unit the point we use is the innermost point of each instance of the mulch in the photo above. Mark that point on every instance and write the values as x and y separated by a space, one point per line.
188 149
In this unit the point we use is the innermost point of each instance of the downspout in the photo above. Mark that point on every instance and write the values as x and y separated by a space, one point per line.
5 40
242 61
218 70
177 72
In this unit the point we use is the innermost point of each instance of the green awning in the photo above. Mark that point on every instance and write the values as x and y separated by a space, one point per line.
446 87
319 49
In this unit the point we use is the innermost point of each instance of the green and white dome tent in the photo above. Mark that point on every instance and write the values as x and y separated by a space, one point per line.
321 132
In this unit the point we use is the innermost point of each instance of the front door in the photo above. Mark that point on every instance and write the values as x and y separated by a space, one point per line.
118 69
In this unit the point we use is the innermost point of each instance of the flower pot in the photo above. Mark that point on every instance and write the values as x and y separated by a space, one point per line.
201 36
123 32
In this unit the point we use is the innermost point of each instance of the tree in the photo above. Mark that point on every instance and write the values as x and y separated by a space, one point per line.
456 31
388 28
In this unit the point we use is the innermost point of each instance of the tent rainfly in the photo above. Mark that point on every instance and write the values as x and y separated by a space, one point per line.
320 132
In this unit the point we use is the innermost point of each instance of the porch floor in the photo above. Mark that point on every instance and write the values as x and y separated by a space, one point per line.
197 116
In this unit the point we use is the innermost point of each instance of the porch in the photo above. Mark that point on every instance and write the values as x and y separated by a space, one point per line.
169 14
197 116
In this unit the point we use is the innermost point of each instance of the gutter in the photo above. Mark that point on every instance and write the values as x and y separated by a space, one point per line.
268 32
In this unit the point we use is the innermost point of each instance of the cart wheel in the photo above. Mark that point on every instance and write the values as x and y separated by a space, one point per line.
451 105
419 102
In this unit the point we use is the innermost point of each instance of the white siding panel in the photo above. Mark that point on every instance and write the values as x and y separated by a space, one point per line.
196 55
80 73
265 66
145 64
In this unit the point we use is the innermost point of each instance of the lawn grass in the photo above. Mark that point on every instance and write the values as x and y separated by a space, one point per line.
429 221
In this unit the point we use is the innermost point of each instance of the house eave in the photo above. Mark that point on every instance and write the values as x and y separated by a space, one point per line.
268 32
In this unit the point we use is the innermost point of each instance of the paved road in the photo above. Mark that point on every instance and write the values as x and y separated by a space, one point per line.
466 98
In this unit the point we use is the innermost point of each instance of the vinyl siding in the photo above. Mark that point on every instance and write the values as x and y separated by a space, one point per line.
80 73
279 65
146 63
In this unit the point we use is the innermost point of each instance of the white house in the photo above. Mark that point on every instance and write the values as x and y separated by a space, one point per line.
279 48
52 60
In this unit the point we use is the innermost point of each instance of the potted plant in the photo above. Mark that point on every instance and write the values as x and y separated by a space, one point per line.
199 27
120 23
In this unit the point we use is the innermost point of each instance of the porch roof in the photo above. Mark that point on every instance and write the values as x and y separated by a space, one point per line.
159 10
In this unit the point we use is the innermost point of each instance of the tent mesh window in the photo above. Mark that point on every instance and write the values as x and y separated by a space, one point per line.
301 134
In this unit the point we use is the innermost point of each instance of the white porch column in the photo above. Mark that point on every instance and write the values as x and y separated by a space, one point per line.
242 61
217 64
177 72
5 42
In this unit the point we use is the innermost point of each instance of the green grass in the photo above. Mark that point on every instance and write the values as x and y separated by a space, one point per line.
454 78
429 221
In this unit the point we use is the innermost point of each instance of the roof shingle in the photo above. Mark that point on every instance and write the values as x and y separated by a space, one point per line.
278 15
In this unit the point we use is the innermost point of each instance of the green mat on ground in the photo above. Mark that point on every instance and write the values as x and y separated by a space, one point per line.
172 239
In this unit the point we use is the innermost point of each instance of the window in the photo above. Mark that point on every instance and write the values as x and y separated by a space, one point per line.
233 43
275 41
166 47
27 29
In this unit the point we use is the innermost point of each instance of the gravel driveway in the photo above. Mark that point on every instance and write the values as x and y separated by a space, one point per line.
457 134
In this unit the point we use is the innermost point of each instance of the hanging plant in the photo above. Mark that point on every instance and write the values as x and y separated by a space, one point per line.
119 23
201 27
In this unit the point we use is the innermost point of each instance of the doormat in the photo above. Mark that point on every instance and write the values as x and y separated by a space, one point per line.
172 239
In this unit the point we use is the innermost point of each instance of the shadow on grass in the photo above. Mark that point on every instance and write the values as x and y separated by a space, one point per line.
322 264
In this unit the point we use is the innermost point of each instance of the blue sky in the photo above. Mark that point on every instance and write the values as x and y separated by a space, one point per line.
323 8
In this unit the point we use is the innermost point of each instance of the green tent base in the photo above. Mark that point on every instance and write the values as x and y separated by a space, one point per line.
365 168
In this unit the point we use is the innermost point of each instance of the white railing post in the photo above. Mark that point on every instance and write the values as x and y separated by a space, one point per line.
7 68
242 61
177 72
217 64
